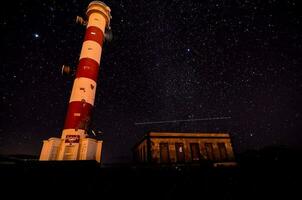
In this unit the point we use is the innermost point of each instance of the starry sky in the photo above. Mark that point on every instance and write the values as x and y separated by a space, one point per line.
168 60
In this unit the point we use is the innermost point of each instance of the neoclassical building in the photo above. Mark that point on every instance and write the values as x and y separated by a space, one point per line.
173 148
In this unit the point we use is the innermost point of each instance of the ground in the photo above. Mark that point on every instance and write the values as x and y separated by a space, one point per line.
259 175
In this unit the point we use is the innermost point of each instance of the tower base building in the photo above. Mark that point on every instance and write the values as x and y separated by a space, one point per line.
71 147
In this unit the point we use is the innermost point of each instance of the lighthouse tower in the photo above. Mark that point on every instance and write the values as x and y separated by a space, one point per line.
74 143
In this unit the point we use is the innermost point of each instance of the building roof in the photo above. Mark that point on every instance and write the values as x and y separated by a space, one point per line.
173 134
182 135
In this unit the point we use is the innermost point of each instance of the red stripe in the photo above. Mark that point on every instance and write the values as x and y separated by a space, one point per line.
88 68
73 121
95 34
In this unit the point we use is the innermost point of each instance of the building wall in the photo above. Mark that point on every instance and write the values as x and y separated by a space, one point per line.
140 152
220 144
50 149
88 149
45 153
68 151
155 148
99 151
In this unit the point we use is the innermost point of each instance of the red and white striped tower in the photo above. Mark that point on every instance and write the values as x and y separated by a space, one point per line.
73 146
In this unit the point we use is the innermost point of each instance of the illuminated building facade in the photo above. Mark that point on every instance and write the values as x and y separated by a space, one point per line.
173 148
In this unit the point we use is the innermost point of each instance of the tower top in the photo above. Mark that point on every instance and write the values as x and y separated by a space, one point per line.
102 8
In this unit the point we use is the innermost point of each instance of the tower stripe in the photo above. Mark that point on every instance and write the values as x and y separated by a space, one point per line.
97 19
88 68
91 49
95 34
78 115
83 90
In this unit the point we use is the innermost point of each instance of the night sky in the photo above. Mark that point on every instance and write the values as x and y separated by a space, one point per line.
169 60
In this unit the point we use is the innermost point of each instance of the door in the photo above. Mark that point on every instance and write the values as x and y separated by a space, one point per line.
223 152
180 152
209 150
68 154
164 153
195 153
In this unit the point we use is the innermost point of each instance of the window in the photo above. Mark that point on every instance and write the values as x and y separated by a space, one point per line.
164 153
209 151
195 153
180 152
144 154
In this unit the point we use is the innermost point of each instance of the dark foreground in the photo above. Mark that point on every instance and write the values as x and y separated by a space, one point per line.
254 178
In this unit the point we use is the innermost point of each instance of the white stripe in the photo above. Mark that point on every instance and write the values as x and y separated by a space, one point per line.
97 20
83 90
91 49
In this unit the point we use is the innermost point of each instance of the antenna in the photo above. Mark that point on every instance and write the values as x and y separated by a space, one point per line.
81 21
95 132
108 35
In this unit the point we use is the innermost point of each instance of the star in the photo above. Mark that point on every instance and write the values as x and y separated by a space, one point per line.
185 60
36 35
